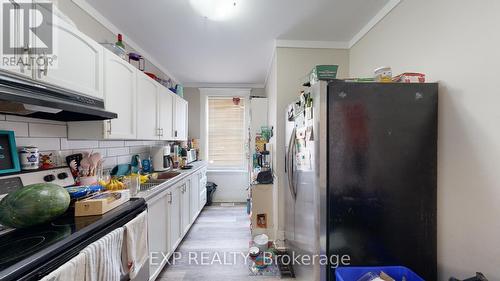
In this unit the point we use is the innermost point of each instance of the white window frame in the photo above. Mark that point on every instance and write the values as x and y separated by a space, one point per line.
205 93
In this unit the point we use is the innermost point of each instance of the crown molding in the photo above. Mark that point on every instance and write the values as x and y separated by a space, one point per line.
270 65
376 19
85 6
311 44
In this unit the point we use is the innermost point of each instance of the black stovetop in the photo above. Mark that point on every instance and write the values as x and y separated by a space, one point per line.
22 250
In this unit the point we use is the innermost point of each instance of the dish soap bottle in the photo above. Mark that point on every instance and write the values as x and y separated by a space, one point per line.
120 48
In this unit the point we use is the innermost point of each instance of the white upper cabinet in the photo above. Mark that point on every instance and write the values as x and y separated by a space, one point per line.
165 113
120 97
78 63
181 119
75 61
148 103
17 59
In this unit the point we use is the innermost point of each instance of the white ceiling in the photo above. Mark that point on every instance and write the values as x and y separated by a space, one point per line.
237 51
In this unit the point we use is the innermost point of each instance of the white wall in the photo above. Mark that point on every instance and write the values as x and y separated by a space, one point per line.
192 95
456 43
232 185
288 72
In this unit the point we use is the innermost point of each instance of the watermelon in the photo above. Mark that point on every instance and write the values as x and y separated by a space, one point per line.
33 204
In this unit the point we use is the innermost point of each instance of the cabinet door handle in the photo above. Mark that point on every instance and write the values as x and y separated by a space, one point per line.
175 133
45 71
161 130
45 68
169 197
27 50
109 127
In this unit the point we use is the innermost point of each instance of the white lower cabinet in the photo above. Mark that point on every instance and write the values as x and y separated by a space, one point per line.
174 210
170 215
202 201
185 205
195 197
158 232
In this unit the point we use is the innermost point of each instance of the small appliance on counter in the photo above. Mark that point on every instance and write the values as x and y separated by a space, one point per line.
191 156
162 160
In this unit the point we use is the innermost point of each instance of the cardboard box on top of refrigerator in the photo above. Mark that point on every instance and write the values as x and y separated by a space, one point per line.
323 72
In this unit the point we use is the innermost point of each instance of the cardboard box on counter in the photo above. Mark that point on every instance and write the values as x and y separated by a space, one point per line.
101 203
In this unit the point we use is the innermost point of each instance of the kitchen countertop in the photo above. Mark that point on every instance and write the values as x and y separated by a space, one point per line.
164 186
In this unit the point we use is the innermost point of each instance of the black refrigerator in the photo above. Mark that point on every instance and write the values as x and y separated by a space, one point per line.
361 176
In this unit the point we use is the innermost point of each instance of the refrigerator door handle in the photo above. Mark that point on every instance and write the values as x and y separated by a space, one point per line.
291 164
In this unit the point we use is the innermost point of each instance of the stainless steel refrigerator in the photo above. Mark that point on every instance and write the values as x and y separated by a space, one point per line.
361 173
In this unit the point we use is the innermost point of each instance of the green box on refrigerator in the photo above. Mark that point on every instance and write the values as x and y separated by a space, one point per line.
323 72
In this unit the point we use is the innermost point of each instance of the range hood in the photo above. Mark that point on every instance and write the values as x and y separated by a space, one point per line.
26 97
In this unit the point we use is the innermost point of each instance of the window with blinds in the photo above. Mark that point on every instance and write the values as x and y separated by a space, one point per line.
226 133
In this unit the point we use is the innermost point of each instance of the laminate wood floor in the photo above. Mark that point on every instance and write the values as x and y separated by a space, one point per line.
213 248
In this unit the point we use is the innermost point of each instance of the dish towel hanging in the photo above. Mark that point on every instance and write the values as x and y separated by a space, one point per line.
103 258
136 239
72 270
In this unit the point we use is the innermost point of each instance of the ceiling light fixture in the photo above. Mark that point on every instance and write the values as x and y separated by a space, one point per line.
216 10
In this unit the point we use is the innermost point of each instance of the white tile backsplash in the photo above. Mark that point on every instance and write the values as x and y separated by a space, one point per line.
118 151
47 130
43 144
124 159
111 143
78 144
139 149
101 151
134 143
109 162
51 136
20 128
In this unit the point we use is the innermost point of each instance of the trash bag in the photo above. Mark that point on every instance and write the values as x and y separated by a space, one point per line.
479 277
211 188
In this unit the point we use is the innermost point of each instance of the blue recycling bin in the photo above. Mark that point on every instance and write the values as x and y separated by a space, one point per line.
354 273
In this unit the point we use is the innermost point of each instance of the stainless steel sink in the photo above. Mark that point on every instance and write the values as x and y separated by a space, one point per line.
162 177
167 175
